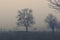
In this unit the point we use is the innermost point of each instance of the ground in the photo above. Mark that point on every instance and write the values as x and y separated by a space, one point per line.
21 35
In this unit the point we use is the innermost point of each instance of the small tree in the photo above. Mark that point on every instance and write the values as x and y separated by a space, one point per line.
51 20
25 18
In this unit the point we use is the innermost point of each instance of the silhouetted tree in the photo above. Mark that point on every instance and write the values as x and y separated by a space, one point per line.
51 20
54 4
25 18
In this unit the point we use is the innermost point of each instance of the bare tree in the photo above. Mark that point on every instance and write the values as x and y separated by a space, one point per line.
55 4
25 18
51 20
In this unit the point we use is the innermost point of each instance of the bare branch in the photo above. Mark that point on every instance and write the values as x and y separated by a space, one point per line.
55 4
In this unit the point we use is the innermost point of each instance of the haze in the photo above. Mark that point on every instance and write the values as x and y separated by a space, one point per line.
9 11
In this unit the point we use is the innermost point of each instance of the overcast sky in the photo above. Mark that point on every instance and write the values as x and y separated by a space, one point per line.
9 11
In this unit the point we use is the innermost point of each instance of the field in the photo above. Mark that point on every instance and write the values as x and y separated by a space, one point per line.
21 35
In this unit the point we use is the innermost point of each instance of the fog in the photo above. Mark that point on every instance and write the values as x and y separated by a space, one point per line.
9 11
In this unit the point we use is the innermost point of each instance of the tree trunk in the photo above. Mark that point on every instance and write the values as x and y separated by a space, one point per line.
26 28
52 30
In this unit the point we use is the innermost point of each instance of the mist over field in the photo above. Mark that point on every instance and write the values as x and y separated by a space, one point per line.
29 20
9 11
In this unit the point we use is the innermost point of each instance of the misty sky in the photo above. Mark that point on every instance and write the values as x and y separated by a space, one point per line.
9 11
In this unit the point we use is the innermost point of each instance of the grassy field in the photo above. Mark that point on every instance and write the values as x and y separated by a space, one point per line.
21 35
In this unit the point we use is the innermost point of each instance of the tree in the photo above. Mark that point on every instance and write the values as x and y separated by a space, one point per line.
55 4
51 20
25 18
